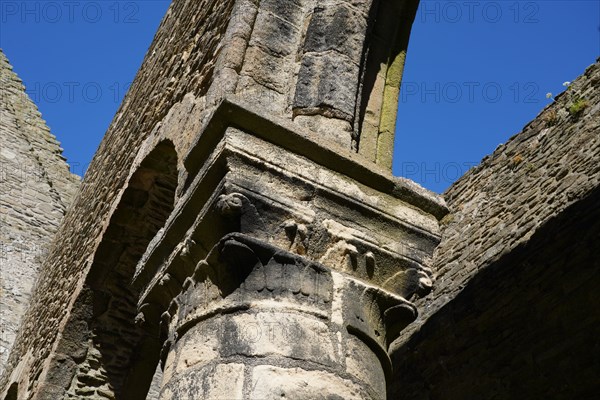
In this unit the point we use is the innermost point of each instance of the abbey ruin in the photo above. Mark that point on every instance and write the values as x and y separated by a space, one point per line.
239 234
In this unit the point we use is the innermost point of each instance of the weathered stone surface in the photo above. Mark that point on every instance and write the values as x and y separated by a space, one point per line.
379 88
331 62
223 381
337 27
270 382
322 87
237 230
36 189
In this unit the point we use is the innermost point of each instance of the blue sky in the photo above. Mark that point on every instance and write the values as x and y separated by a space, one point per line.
476 72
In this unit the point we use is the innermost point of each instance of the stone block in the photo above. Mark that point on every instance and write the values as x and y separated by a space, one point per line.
279 333
221 381
274 33
339 28
326 85
269 382
198 347
364 365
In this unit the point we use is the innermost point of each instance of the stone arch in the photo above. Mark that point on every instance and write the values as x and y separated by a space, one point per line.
103 351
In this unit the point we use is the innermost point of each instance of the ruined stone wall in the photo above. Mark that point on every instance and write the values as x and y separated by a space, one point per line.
36 188
179 62
285 58
517 267
525 327
552 163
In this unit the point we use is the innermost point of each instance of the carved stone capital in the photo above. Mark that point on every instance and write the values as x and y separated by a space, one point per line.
253 301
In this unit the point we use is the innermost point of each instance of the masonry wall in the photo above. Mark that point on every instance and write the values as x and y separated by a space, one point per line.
511 314
36 189
165 99
332 68
203 51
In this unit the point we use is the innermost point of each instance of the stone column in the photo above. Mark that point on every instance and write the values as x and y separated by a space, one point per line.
288 256
256 322
281 276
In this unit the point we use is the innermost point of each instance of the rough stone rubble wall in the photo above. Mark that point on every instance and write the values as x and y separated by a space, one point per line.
514 313
525 327
553 163
36 188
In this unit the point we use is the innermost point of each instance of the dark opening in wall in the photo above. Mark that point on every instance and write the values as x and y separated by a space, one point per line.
12 393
